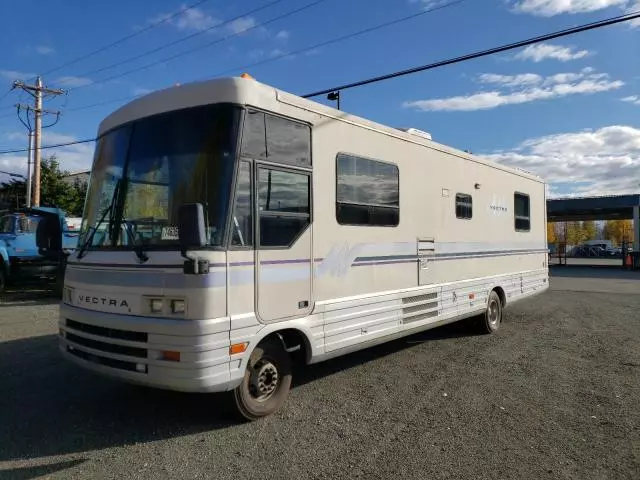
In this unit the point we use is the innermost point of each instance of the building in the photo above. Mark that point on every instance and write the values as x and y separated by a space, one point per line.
82 175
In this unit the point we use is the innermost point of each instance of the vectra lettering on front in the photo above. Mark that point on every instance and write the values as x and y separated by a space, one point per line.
112 302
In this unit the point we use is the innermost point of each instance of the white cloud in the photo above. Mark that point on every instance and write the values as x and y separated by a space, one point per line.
70 81
604 161
511 80
544 51
241 25
634 6
45 50
283 35
191 19
71 158
634 99
429 4
519 89
15 75
550 8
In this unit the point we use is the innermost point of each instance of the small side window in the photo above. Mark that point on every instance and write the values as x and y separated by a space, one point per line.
288 142
254 136
464 206
242 222
522 212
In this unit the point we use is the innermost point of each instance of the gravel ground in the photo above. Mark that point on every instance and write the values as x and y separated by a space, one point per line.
553 395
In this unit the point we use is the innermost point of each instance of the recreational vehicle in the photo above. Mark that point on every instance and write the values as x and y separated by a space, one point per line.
231 228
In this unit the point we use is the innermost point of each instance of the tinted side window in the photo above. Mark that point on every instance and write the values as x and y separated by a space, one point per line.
6 224
283 206
254 136
276 139
522 212
283 191
288 142
367 192
464 206
242 222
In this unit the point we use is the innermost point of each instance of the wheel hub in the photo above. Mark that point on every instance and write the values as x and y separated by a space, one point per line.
264 380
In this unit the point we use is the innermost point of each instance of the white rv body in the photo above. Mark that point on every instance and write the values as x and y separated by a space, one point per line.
336 287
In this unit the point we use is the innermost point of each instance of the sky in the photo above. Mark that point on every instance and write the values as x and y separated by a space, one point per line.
567 110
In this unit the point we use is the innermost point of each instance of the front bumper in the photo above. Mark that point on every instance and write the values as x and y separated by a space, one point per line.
131 348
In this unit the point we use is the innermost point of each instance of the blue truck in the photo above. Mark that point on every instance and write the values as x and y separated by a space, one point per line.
22 256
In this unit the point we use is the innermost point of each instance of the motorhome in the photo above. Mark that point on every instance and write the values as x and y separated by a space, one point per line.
231 228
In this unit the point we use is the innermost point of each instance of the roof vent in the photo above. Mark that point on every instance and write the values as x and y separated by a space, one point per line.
416 132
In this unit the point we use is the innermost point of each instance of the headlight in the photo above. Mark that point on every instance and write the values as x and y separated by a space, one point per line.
177 306
155 305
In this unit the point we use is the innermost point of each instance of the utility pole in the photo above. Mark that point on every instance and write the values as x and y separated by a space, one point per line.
37 91
29 178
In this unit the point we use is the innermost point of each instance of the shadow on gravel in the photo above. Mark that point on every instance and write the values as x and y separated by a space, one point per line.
27 473
40 293
52 407
310 373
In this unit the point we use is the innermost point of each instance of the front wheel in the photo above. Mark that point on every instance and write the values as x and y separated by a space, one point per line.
266 381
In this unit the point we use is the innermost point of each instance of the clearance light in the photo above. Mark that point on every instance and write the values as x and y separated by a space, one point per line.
238 348
170 355
247 76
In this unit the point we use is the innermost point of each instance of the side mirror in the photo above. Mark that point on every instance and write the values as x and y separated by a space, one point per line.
191 229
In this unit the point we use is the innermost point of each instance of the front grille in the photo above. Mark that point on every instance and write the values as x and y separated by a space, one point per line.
107 347
107 332
108 362
107 343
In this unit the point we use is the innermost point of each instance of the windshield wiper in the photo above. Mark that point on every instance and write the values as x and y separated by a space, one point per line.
109 210
138 248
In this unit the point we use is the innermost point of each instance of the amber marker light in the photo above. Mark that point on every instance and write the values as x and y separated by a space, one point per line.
238 348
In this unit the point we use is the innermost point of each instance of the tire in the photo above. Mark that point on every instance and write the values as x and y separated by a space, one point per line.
490 321
269 359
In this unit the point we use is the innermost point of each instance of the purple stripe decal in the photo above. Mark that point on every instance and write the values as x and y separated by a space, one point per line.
389 262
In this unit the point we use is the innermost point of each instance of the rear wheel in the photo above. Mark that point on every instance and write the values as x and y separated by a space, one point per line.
266 381
491 320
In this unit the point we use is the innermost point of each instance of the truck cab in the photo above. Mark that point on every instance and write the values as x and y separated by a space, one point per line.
20 257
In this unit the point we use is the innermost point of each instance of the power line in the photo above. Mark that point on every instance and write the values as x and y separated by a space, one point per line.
206 45
44 147
337 39
180 40
491 51
295 52
541 38
126 37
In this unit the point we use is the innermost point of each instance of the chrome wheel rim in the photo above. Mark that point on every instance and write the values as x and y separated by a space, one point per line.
494 313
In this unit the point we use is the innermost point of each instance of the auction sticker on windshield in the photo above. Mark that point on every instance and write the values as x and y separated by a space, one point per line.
170 233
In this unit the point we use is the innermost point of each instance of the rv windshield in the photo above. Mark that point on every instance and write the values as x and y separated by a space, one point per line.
157 164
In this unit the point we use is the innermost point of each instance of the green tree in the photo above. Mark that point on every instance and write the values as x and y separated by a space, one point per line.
54 190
